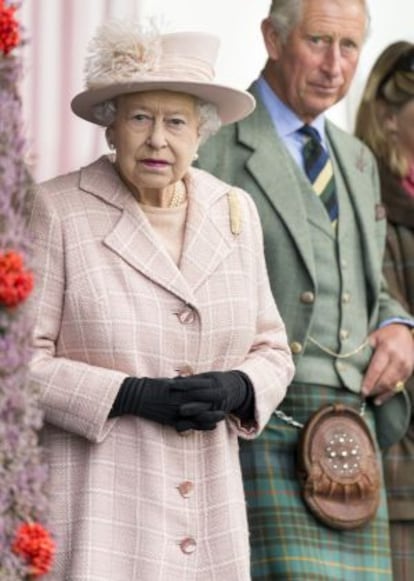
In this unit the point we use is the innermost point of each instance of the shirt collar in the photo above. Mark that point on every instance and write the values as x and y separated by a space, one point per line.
286 122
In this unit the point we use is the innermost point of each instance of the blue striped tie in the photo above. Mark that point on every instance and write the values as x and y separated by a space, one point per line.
318 168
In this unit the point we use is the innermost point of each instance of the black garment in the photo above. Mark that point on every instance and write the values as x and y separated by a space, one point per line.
195 402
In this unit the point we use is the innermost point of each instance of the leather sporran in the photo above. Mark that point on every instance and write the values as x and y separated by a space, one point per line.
338 467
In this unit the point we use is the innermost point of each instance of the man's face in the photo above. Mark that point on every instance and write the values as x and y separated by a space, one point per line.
313 69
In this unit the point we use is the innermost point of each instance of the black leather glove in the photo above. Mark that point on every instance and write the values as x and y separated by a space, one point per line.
160 400
228 391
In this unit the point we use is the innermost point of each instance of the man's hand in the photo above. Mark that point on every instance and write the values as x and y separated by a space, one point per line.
391 364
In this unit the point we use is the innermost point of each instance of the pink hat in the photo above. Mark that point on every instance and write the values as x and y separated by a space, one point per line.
124 59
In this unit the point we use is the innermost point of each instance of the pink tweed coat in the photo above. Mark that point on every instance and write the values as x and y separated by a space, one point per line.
131 499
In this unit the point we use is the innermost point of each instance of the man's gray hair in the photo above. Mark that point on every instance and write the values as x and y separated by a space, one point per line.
210 122
285 14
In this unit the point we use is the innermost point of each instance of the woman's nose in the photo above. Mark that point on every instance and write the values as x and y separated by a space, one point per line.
156 138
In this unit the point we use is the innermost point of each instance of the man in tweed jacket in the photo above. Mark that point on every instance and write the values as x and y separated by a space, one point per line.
327 282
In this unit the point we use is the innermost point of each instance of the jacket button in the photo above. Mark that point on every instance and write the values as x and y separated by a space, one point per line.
346 297
296 347
307 297
186 316
186 489
188 545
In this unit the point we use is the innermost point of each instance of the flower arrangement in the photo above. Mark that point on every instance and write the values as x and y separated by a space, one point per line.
15 282
9 28
35 545
26 547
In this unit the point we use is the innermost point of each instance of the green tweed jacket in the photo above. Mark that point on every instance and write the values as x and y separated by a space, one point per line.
249 154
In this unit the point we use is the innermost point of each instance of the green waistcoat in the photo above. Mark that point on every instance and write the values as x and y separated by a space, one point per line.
339 322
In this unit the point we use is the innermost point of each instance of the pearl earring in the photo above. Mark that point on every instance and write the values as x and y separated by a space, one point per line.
195 156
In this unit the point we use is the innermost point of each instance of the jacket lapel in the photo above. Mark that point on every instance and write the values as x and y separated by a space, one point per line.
354 166
257 133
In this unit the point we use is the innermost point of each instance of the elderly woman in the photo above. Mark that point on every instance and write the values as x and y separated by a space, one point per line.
156 341
385 122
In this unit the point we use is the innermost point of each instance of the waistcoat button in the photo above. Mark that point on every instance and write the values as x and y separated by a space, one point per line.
307 297
296 347
343 334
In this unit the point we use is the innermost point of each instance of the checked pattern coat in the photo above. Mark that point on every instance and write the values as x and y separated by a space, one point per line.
130 499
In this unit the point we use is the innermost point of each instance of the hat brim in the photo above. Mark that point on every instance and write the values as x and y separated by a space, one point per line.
232 104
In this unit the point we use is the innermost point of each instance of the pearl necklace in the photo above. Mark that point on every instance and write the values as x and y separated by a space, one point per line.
179 195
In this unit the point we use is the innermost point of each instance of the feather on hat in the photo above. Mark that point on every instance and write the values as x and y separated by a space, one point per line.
124 57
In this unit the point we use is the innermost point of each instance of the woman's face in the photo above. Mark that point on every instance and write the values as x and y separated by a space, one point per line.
155 135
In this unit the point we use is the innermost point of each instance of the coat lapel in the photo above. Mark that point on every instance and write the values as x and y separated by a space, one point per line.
208 239
257 133
134 241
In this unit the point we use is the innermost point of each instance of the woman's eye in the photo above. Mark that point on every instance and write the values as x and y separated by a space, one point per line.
176 122
140 117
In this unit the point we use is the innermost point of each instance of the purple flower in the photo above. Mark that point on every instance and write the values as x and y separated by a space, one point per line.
23 473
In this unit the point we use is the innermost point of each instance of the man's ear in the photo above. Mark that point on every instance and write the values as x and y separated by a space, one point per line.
271 39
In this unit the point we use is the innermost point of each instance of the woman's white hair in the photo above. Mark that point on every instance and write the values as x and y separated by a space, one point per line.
209 120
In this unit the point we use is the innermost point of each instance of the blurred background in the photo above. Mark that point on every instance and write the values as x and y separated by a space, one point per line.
58 32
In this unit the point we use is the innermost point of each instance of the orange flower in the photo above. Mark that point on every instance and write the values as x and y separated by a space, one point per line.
34 544
15 283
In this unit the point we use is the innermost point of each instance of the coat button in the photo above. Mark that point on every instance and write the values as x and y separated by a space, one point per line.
185 433
296 347
346 297
185 371
186 316
186 489
188 545
307 297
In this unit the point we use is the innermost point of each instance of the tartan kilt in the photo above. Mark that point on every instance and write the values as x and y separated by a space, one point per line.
287 542
402 550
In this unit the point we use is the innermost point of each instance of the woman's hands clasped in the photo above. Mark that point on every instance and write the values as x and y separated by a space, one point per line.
196 402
